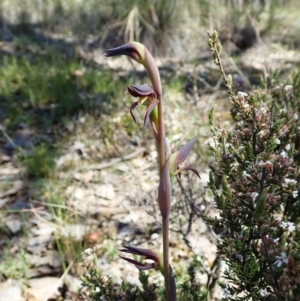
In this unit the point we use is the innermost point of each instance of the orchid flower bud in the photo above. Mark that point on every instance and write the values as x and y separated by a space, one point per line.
178 157
164 192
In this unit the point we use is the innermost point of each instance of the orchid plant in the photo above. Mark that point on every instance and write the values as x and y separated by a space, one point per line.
169 165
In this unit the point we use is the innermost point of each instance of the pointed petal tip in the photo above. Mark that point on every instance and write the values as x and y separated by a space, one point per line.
111 52
134 50
188 168
183 153
179 156
139 265
131 110
129 249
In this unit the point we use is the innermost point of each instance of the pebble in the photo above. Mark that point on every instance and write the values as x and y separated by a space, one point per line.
11 291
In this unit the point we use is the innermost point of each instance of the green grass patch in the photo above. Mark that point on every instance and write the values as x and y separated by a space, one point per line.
39 161
14 266
40 90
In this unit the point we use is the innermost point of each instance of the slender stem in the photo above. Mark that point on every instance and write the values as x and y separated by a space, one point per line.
161 136
154 76
165 220
165 225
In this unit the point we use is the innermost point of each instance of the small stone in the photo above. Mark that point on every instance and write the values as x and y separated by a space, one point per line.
122 167
10 291
82 119
70 126
43 229
73 284
67 159
92 238
45 288
37 244
154 236
4 158
14 225
85 177
50 258
105 191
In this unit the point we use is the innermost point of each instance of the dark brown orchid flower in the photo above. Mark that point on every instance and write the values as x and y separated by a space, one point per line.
146 97
146 254
157 263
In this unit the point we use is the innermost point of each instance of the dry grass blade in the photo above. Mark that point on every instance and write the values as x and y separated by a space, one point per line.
132 29
47 297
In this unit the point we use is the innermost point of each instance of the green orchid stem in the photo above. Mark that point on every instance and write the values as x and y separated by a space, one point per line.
162 151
